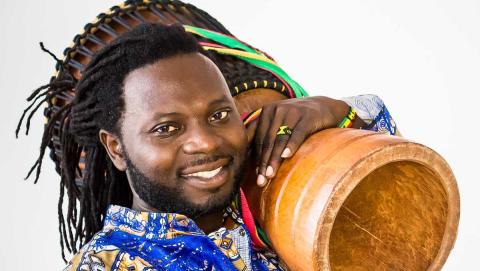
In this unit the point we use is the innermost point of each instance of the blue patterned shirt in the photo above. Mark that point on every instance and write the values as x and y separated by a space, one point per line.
143 241
132 240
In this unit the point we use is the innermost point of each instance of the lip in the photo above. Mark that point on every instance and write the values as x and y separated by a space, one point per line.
206 167
211 183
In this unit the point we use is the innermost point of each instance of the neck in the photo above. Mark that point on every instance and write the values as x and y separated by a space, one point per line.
210 222
141 206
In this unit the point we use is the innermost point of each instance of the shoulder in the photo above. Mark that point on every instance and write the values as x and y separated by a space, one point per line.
104 257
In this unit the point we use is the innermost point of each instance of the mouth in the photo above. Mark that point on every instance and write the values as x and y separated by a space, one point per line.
208 177
204 174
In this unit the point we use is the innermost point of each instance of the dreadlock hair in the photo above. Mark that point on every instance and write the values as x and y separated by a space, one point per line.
85 94
98 104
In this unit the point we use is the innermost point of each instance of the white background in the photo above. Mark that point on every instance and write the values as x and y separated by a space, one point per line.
421 57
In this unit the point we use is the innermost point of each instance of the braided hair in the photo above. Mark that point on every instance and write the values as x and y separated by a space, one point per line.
86 94
98 104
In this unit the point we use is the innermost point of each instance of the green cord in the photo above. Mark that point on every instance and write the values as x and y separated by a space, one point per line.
236 44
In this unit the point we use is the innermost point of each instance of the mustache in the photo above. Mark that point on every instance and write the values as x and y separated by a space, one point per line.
203 160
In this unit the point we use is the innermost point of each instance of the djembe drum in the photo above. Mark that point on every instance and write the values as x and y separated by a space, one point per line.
361 201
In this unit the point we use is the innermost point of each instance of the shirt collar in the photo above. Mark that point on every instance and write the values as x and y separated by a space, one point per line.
149 224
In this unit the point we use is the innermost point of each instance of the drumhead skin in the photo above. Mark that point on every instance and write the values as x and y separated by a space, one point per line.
309 208
241 76
253 78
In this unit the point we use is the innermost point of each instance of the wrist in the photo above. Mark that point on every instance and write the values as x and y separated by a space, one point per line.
359 123
343 110
340 110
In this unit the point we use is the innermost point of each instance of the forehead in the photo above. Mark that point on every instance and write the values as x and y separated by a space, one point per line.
178 83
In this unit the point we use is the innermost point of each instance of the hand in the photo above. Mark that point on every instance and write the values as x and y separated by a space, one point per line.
304 116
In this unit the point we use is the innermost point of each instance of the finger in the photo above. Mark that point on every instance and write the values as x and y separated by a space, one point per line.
296 139
280 144
262 125
269 142
251 128
264 122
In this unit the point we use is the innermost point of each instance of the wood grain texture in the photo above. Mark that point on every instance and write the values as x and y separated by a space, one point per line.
349 199
358 200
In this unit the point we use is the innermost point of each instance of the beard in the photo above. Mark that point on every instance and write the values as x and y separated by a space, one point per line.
173 199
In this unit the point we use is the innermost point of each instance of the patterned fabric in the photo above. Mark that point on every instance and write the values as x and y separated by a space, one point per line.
242 241
144 241
371 109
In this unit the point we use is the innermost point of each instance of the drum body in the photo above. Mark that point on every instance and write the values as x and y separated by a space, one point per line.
347 200
358 200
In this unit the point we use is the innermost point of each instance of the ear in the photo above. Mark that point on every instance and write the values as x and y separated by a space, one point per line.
113 146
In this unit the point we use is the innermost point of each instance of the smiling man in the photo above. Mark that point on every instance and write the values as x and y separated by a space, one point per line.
163 149
163 113
180 139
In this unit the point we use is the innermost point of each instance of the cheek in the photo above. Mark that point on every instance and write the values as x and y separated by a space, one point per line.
238 138
155 159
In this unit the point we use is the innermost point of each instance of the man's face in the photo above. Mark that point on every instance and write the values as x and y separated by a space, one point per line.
182 137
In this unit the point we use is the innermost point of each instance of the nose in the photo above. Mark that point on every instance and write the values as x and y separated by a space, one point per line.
201 140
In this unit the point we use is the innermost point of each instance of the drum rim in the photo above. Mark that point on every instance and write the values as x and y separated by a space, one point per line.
349 181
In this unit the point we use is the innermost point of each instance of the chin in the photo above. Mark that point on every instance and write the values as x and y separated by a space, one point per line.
190 197
215 193
214 200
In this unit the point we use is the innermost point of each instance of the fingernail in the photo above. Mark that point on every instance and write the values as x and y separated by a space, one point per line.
256 170
269 171
261 180
286 153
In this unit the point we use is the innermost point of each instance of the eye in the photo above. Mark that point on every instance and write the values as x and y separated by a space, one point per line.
220 115
165 129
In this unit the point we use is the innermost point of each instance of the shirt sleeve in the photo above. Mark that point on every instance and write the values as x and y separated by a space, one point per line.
372 110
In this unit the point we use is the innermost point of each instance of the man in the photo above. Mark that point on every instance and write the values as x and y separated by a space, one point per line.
165 144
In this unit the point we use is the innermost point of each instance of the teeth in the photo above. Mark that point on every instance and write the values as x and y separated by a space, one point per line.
205 174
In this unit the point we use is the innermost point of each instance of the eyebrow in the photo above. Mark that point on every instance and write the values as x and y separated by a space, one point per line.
218 101
214 102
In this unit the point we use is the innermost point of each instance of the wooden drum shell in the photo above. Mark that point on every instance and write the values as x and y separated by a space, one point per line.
301 207
404 215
